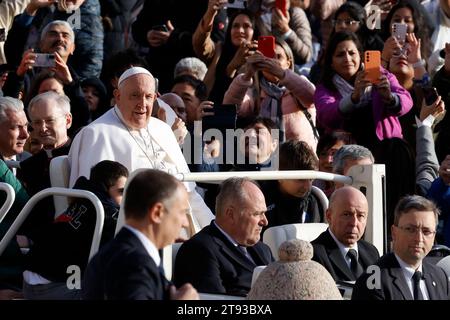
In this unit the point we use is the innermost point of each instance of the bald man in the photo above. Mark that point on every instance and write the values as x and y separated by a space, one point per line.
340 248
176 103
129 135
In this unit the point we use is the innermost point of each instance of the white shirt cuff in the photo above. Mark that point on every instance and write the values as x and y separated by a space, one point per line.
428 121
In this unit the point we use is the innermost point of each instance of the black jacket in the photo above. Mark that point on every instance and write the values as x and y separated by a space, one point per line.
327 253
123 270
67 241
286 209
212 264
393 285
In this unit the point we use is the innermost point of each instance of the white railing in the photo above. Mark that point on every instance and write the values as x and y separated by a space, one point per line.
10 197
368 178
100 215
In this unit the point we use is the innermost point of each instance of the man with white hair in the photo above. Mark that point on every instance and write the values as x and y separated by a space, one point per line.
128 134
50 117
13 125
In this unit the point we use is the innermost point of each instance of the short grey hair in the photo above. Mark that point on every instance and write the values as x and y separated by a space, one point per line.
419 203
58 23
193 65
62 101
11 104
231 190
349 152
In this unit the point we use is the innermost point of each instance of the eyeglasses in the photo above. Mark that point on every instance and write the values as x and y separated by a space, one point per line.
412 230
346 22
48 122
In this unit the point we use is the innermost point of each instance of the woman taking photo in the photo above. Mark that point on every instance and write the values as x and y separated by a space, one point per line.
270 88
225 59
346 100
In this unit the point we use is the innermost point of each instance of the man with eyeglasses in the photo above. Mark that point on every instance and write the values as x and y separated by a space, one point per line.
50 116
404 274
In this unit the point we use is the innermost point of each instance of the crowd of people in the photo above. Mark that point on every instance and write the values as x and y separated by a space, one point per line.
118 86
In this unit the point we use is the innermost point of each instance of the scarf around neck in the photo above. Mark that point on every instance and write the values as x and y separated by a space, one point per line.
346 89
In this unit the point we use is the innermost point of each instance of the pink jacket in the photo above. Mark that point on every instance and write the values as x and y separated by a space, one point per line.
296 124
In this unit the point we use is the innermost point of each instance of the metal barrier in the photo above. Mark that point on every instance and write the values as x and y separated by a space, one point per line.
100 216
10 197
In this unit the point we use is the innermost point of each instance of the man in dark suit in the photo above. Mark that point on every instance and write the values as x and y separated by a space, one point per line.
156 208
340 249
403 274
221 257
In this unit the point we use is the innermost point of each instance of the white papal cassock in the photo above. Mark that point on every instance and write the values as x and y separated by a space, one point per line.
108 138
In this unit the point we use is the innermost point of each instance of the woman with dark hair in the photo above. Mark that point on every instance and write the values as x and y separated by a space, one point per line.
350 16
95 94
405 12
225 59
270 88
346 100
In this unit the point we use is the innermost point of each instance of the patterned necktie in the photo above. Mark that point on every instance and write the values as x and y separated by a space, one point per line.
245 253
416 285
356 268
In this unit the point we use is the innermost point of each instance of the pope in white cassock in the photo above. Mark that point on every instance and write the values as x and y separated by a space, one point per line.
128 134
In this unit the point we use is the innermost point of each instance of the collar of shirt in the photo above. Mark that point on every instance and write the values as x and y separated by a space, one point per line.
408 272
148 245
226 234
133 131
344 249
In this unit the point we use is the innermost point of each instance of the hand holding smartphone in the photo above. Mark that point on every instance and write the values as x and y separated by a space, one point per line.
372 65
44 60
282 6
430 95
399 32
160 27
266 45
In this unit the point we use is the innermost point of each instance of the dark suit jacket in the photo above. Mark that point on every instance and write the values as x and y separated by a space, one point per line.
394 286
327 253
123 270
212 264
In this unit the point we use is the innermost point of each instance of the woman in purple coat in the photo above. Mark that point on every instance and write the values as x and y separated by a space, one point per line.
346 100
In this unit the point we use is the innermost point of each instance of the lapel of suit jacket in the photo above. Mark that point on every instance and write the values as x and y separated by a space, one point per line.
399 280
430 283
336 257
230 250
258 254
364 258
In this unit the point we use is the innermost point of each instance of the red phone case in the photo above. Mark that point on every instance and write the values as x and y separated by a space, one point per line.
266 45
282 5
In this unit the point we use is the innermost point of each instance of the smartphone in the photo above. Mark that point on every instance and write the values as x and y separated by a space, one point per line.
237 4
44 60
2 35
266 45
224 117
282 6
399 31
160 27
372 63
430 95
